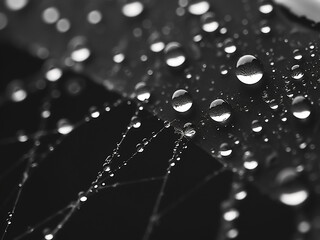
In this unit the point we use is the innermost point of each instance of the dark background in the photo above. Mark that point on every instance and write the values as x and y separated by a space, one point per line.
119 213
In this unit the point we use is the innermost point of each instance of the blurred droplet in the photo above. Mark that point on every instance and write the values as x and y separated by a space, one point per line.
142 92
16 5
198 7
64 127
50 15
132 9
208 23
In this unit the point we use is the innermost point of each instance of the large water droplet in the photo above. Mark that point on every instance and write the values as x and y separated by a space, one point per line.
174 55
181 101
220 111
301 107
249 69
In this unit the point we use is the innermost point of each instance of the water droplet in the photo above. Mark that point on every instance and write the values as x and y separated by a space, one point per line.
48 236
22 137
301 107
297 55
16 5
94 17
140 148
198 7
181 101
225 150
208 22
249 69
189 130
231 214
240 195
16 91
135 121
79 49
132 9
53 73
94 113
82 197
50 15
174 55
249 162
64 127
63 25
167 124
293 192
256 126
119 58
220 111
296 72
229 46
266 8
265 27
142 92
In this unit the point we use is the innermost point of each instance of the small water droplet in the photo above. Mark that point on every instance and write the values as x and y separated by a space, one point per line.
50 15
249 69
181 101
220 111
174 55
189 130
140 148
64 127
198 7
94 17
297 55
132 9
79 49
293 192
142 92
16 91
229 46
296 72
209 23
231 214
135 121
266 8
16 5
301 107
53 73
256 126
225 150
